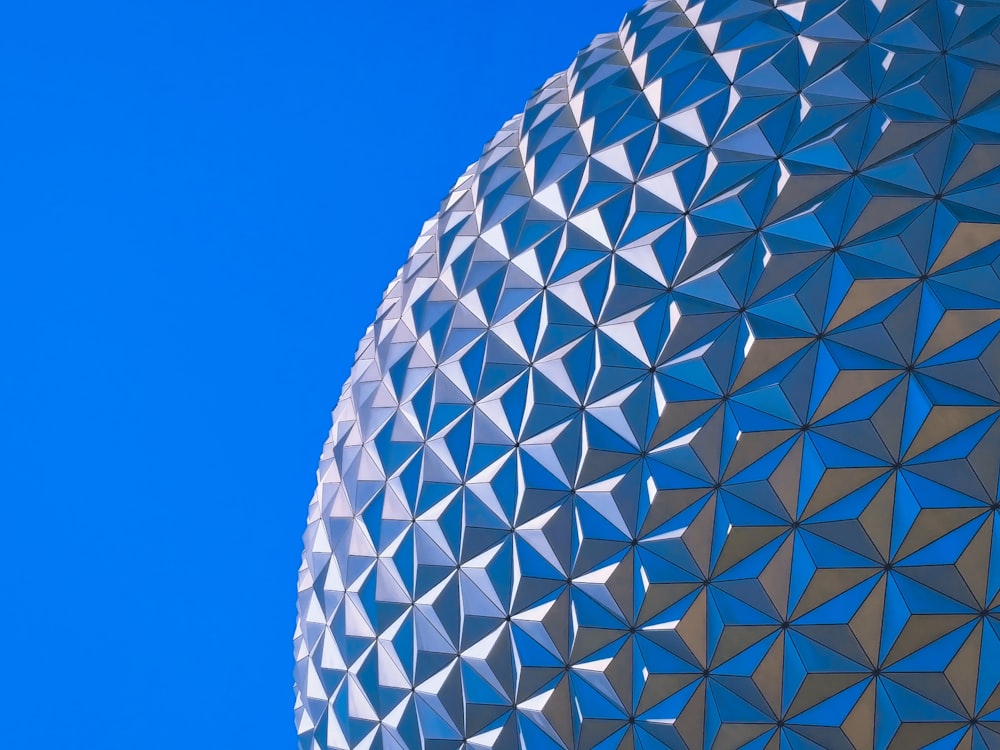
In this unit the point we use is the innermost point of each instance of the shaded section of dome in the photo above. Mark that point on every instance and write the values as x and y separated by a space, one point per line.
678 428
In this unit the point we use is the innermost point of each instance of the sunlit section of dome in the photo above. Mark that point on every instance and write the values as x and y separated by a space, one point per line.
679 426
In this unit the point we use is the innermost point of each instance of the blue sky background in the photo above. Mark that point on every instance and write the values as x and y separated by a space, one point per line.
201 203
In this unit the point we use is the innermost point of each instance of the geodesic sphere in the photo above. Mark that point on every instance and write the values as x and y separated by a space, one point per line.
678 428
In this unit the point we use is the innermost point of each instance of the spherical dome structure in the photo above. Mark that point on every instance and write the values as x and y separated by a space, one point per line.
679 426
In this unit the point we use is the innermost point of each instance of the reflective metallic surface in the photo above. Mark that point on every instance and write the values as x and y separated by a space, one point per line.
679 426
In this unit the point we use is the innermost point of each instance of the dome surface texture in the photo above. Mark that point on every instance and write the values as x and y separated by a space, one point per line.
679 426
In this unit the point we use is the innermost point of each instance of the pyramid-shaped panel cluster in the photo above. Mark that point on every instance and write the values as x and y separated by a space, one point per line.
679 426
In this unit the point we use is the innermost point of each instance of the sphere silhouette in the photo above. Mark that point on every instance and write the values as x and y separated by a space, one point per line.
678 427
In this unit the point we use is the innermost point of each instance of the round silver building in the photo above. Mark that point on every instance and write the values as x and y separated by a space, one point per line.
679 426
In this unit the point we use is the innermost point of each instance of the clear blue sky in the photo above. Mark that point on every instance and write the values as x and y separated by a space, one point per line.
200 205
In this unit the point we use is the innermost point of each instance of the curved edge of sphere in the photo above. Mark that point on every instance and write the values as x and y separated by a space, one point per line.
679 425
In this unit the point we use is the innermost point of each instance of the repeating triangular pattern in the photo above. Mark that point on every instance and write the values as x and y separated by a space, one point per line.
679 426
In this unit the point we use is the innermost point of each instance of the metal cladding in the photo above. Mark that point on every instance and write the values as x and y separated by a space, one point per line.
679 426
